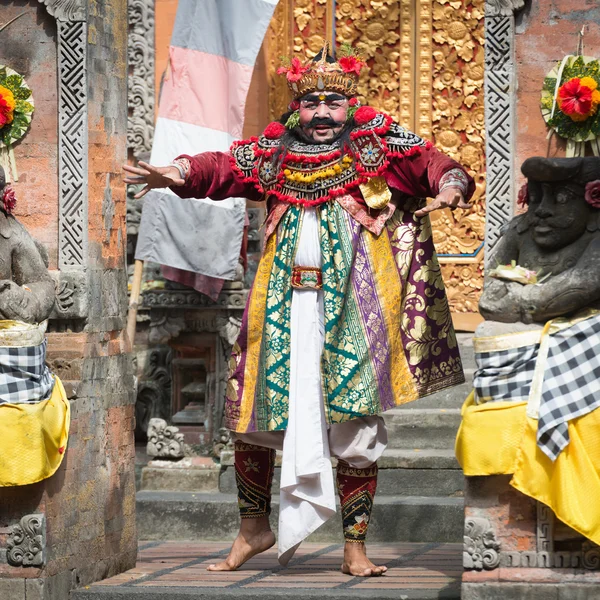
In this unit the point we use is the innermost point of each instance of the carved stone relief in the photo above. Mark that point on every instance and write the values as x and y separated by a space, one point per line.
480 550
500 85
66 10
72 154
140 130
153 399
71 295
26 543
164 441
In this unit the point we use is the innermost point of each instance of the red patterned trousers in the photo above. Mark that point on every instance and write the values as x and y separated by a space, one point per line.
254 468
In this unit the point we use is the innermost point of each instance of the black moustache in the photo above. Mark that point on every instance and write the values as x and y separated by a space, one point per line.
322 121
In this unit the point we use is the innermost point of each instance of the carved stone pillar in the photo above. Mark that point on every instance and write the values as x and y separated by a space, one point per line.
73 54
499 88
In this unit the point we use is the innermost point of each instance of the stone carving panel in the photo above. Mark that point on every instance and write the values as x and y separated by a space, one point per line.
66 10
499 113
26 542
140 130
71 295
153 399
480 550
72 112
164 441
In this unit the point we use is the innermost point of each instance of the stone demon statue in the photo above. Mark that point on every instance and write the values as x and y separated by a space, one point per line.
557 241
26 289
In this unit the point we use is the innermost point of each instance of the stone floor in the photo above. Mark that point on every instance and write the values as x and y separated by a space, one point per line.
177 570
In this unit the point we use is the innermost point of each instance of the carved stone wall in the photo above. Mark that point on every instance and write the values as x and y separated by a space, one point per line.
140 100
79 66
500 79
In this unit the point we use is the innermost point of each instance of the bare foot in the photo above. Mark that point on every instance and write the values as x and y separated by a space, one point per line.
255 536
356 562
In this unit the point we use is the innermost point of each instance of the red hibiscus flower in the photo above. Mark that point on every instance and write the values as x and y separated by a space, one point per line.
592 193
274 130
295 71
364 114
574 99
523 197
9 200
351 64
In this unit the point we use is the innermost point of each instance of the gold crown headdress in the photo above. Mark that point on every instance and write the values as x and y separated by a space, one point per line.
318 75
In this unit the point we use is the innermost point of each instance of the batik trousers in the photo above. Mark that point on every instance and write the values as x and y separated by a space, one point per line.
254 468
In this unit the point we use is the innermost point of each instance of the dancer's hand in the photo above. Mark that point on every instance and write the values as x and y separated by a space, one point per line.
451 198
152 177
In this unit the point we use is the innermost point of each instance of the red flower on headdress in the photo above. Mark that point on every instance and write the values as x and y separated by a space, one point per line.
294 105
274 130
523 197
351 64
9 199
592 193
364 114
295 71
353 102
575 99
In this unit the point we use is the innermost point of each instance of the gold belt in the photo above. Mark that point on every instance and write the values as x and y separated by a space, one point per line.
307 278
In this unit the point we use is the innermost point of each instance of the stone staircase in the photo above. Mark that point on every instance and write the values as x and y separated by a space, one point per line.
419 496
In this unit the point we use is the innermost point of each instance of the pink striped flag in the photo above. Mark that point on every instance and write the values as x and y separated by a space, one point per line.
213 50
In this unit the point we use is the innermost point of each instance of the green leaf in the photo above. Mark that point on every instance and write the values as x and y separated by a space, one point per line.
22 93
13 82
24 107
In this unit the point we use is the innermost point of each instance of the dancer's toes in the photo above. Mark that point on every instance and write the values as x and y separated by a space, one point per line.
356 562
243 549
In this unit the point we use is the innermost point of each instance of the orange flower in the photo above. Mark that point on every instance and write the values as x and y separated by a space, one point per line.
7 106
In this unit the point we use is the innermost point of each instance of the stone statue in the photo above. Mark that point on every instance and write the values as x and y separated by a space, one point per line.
558 239
27 291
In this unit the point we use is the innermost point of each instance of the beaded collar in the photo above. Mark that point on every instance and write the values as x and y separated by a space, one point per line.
311 174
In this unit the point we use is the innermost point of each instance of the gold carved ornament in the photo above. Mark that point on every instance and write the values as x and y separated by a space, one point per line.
459 131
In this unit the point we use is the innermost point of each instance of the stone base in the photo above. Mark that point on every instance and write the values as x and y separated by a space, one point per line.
190 474
546 586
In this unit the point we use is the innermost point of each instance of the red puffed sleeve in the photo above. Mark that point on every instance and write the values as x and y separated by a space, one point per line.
211 175
419 172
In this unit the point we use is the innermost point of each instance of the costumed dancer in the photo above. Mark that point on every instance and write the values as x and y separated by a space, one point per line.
347 316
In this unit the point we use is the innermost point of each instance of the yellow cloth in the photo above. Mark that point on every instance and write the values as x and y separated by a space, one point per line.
498 438
33 438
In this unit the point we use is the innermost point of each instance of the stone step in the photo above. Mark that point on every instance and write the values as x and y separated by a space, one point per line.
179 592
391 481
194 516
422 428
402 472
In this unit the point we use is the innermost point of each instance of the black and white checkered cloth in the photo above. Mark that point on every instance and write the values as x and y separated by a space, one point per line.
571 386
24 376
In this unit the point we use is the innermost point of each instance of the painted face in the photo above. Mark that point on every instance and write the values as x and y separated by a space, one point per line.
323 116
558 214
